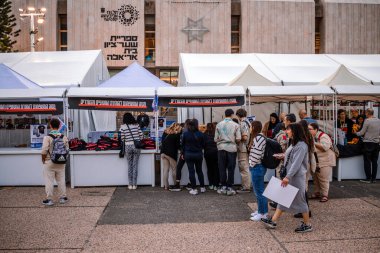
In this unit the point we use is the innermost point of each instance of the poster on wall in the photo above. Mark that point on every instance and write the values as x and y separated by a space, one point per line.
37 134
161 127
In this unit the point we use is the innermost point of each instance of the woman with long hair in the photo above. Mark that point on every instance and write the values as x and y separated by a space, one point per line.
211 156
296 160
193 142
169 152
257 148
130 131
270 125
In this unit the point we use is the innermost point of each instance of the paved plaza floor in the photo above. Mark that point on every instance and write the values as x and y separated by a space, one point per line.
114 219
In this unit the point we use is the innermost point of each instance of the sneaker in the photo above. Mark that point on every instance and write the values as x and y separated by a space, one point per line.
273 205
48 202
216 188
203 189
367 181
254 213
222 190
193 191
243 190
211 187
258 217
189 187
373 181
303 228
269 223
129 187
175 188
134 187
230 192
63 200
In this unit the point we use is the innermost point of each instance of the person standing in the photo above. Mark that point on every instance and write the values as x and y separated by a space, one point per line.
169 152
296 162
227 135
370 132
257 147
345 124
269 126
242 153
53 171
130 131
211 157
303 116
325 159
193 142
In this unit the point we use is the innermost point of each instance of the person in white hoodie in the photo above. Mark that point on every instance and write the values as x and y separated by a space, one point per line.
257 147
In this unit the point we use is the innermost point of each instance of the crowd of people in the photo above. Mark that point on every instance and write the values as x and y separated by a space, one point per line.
306 152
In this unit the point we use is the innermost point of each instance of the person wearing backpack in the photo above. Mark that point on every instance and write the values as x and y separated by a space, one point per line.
54 155
257 169
325 159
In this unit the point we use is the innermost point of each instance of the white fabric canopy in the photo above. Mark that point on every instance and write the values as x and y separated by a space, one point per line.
205 91
25 94
249 77
369 93
344 77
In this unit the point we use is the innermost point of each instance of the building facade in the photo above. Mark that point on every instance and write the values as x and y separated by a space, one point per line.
155 32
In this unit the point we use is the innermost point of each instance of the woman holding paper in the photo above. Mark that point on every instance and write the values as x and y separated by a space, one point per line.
296 168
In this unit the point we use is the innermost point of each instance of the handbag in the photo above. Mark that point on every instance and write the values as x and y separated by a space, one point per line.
138 144
283 170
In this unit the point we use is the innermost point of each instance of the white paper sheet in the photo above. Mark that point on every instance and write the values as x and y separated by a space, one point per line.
282 195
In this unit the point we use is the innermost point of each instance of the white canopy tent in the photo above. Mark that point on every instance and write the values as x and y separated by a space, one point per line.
344 77
66 69
145 92
31 94
358 93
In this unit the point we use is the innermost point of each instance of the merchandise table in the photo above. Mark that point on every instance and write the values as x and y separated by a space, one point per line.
351 168
105 168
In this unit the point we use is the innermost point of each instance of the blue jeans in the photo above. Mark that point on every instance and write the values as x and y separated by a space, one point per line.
257 174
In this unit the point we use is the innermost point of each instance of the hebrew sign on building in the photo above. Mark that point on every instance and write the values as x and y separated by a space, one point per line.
116 27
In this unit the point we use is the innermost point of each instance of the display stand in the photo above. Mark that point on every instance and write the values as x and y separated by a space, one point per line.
103 168
23 166
351 168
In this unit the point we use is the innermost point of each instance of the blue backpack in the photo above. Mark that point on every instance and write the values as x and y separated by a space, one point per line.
59 154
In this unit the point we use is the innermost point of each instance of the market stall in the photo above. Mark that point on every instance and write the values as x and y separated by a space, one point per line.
288 94
22 165
353 167
104 167
199 97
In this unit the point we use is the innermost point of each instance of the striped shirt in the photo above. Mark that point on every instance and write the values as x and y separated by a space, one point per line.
133 133
257 150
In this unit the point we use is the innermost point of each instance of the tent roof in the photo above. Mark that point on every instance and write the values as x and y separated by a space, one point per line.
9 94
10 79
358 93
143 92
52 69
204 91
134 75
344 77
250 77
287 93
365 66
218 69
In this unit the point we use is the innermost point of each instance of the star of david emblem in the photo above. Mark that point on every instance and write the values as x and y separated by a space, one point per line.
195 30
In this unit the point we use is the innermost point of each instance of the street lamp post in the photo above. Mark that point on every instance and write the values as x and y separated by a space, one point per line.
31 12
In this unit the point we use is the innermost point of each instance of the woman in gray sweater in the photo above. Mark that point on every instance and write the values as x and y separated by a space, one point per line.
298 157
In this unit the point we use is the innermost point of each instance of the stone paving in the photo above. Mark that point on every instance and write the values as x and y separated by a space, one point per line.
110 219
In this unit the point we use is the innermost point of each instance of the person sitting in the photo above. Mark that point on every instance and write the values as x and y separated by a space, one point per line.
270 125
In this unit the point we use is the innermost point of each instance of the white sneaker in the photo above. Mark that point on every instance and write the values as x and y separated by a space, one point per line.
254 213
193 191
134 187
222 190
129 187
211 187
203 189
230 191
215 188
258 217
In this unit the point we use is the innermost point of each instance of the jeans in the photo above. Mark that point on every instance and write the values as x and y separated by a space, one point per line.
370 155
257 174
212 168
195 159
226 160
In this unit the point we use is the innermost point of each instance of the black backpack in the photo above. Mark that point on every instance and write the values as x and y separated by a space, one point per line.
59 154
272 147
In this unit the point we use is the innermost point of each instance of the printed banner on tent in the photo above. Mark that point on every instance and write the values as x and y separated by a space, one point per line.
201 102
54 108
111 104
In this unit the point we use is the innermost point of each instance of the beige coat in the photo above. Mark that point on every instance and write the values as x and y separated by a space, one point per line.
326 157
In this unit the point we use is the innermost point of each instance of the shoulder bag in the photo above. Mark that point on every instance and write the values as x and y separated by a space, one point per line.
138 143
283 170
